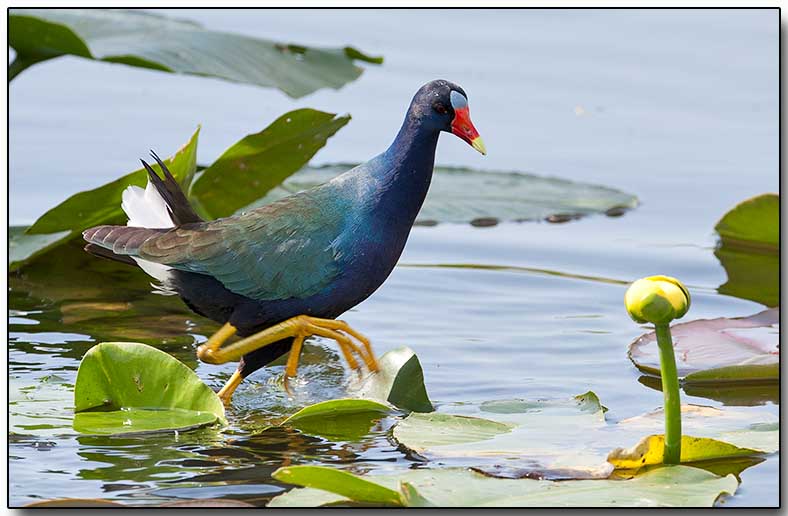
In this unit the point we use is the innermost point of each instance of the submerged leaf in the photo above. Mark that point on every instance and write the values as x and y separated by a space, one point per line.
671 486
513 438
172 45
718 350
487 197
127 387
259 162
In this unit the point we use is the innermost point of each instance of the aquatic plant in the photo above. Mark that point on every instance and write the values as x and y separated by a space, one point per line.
659 300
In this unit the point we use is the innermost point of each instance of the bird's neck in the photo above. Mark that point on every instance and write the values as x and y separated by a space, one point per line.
410 160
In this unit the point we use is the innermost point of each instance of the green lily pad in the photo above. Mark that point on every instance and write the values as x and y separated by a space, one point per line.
400 381
513 438
128 387
342 419
670 486
259 162
339 482
486 197
718 351
752 225
130 38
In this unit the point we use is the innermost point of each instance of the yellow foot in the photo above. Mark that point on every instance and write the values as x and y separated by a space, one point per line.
226 392
298 328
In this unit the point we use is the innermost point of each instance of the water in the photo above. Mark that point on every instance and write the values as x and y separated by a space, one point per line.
679 108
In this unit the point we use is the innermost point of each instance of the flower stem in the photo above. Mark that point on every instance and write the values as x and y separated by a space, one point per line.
670 389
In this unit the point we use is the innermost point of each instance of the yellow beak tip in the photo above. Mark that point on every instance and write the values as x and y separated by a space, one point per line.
478 144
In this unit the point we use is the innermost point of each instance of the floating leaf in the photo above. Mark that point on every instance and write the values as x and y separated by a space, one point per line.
670 486
126 387
74 502
650 450
486 197
259 162
756 430
93 207
339 482
178 46
513 438
400 381
752 225
718 350
343 419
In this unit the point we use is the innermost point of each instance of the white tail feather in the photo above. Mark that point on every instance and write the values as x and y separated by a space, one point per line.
147 209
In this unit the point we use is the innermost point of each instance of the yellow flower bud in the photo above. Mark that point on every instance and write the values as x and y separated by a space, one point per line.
657 299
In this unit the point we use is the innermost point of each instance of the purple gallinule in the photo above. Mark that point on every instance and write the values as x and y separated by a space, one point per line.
278 274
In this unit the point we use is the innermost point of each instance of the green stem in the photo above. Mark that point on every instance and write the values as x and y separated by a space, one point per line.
670 389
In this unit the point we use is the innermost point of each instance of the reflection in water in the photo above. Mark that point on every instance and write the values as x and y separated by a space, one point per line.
744 394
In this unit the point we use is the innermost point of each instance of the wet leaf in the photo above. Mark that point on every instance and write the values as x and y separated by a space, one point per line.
513 438
261 161
670 486
342 419
400 381
649 451
752 225
718 351
178 46
127 387
339 482
93 207
485 198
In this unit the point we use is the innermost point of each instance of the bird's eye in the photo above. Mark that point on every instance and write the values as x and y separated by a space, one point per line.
440 108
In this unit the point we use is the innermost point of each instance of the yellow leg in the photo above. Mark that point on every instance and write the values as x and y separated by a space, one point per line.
292 360
226 393
299 327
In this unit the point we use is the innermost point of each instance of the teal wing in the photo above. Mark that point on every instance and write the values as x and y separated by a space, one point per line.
282 250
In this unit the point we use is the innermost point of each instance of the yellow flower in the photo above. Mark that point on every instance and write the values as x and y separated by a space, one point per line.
657 299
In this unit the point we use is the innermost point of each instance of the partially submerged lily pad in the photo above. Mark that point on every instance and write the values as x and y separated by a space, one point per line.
512 438
718 350
484 198
671 486
343 419
128 387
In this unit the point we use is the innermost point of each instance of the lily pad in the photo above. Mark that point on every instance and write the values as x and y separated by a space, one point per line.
127 387
343 419
752 225
513 438
649 451
400 381
718 351
486 197
134 38
671 486
339 482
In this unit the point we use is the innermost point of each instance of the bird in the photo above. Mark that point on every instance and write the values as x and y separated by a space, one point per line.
281 273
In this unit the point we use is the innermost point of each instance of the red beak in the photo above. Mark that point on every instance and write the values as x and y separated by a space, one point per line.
463 127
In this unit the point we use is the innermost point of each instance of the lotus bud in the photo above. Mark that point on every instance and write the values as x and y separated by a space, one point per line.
657 299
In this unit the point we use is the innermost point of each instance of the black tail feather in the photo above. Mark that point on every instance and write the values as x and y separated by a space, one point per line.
99 251
169 189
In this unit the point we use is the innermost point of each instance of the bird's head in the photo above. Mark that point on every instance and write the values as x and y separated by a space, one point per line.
444 106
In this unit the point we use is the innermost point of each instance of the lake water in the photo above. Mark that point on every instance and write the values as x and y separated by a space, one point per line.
677 107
